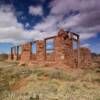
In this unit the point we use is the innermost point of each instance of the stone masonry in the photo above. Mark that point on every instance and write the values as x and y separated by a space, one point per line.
85 55
61 54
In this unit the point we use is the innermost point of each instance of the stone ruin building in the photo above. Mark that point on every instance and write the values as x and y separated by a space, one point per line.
62 50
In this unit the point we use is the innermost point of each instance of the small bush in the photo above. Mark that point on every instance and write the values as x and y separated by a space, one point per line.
31 98
97 70
36 98
74 88
97 80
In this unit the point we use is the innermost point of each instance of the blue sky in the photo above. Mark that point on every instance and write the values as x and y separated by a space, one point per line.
26 20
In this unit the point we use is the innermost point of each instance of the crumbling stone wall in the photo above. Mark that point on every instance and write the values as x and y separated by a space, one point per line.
85 57
63 53
63 49
40 51
33 57
26 53
50 56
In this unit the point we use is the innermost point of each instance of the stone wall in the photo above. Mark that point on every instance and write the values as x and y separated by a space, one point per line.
40 55
26 53
85 57
63 49
63 53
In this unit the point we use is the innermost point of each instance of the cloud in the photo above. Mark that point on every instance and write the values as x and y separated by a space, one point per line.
38 10
80 16
86 45
65 6
85 36
49 24
11 31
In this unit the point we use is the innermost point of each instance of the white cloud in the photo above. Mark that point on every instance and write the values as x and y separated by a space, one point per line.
13 32
84 36
38 10
86 45
65 6
86 22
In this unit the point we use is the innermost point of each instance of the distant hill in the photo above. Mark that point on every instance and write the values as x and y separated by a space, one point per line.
3 57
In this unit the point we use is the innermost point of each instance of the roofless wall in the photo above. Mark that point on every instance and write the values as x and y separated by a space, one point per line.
55 51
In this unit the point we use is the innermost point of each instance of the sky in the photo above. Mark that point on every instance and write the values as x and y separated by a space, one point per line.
26 20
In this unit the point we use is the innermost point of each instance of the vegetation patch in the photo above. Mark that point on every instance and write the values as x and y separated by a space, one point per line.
21 83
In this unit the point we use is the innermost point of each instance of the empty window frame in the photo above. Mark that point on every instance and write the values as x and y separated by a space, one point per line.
34 48
50 46
20 50
75 46
15 50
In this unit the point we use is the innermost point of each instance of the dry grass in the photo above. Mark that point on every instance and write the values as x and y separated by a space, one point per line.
48 84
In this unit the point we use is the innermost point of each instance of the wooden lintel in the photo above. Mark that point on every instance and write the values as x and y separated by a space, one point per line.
52 37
